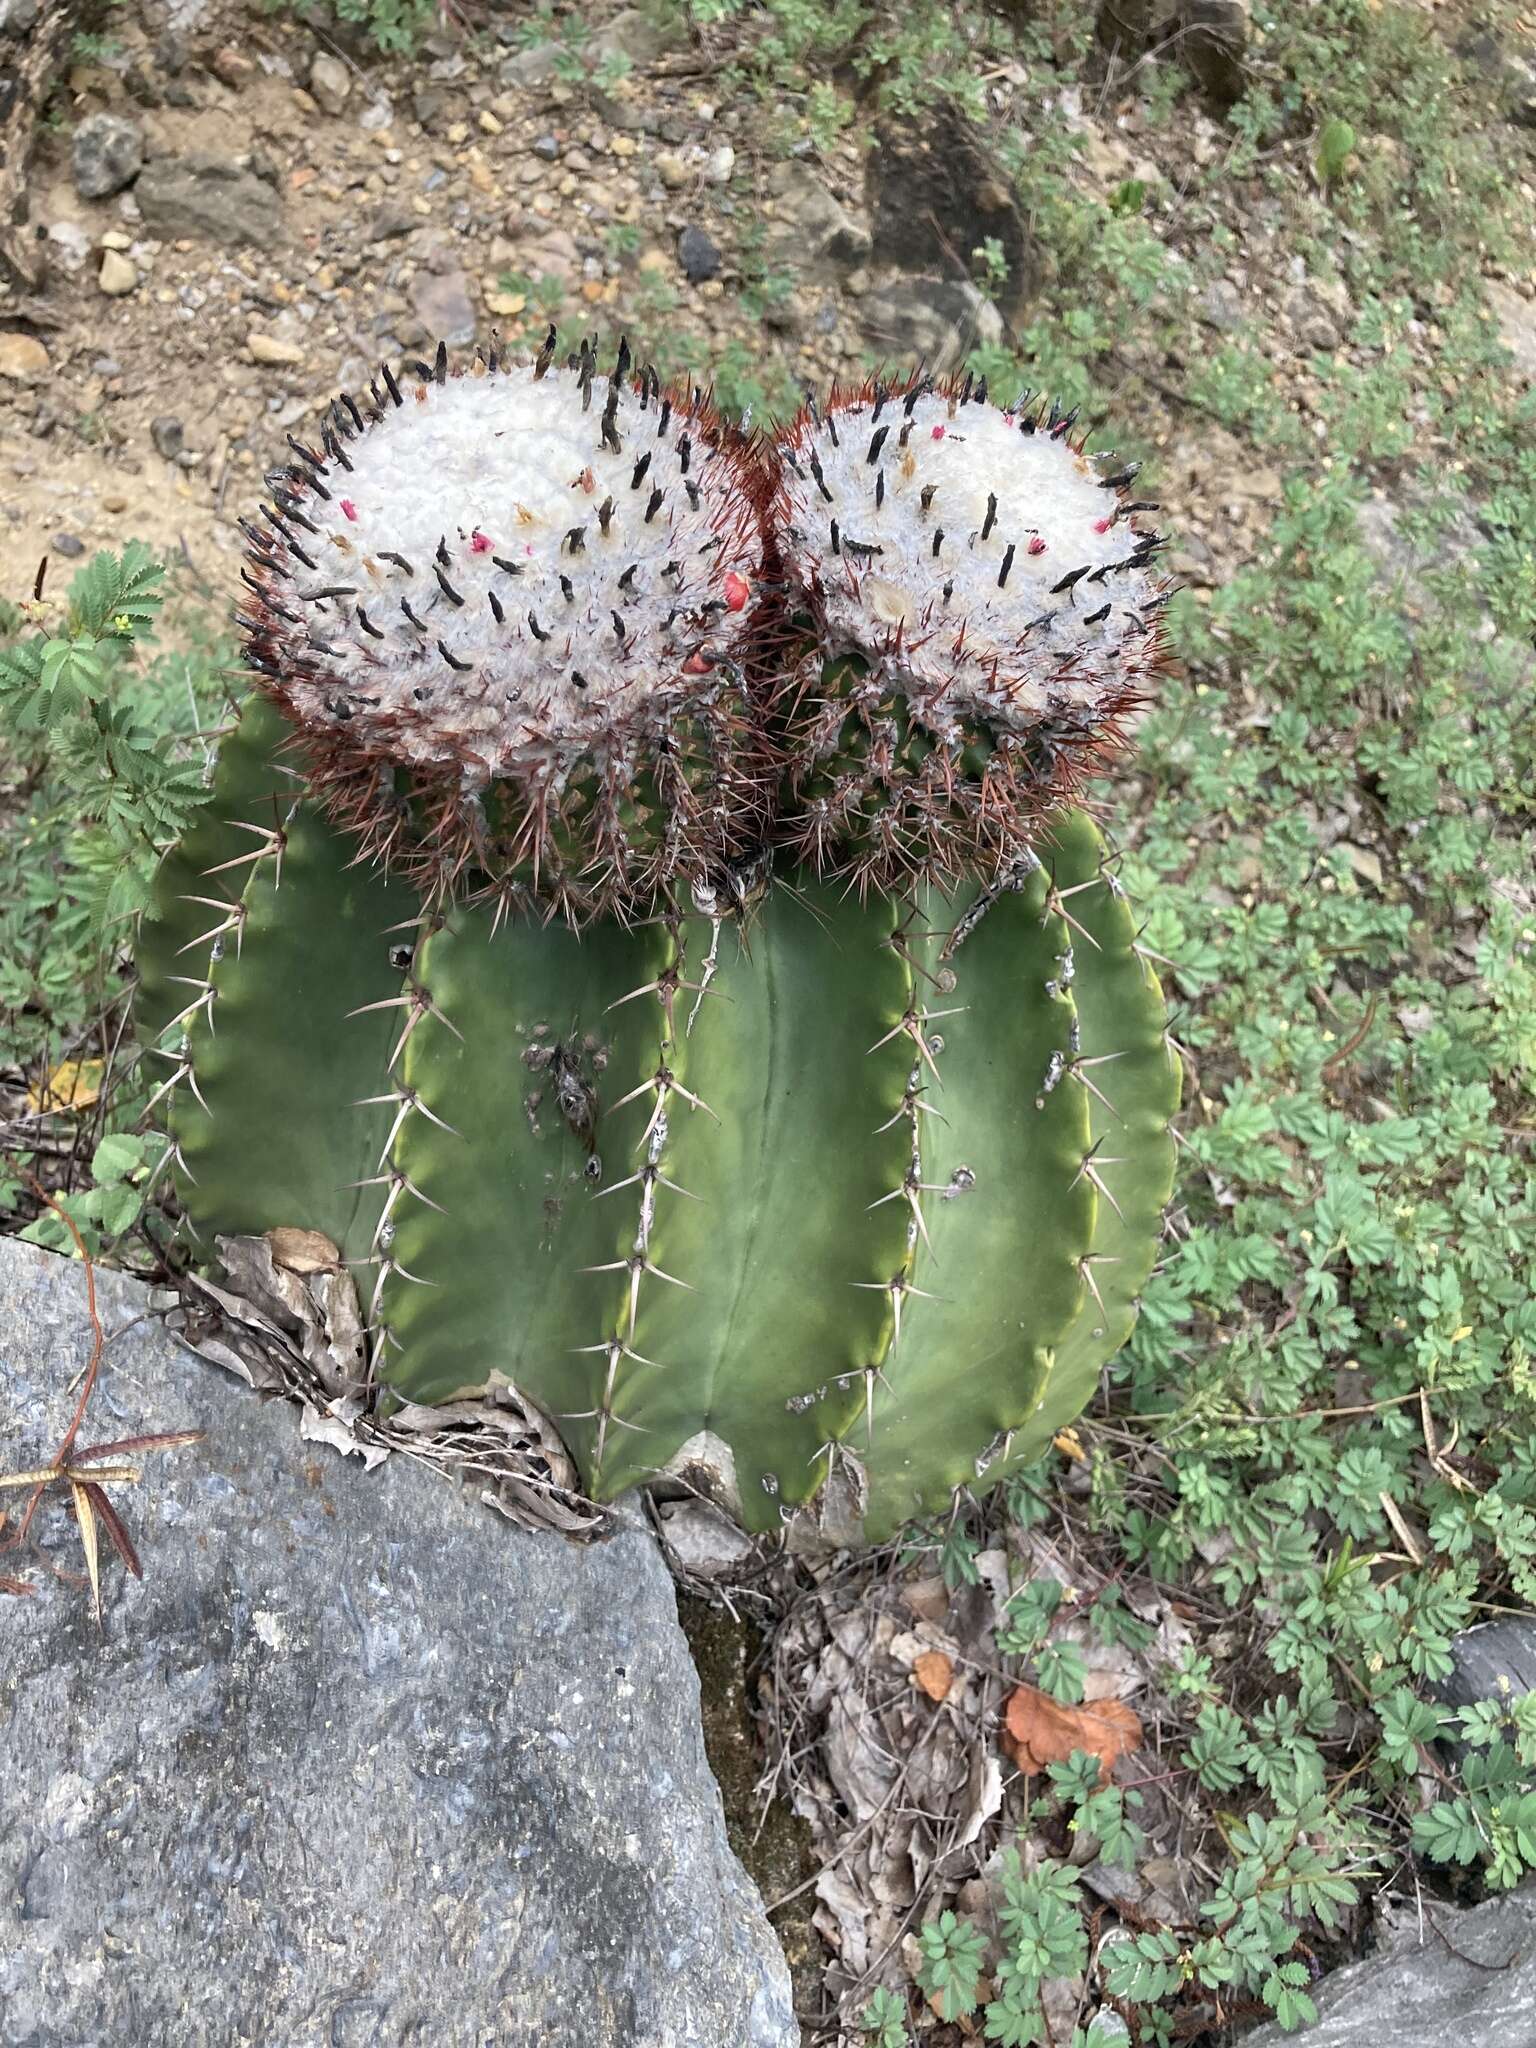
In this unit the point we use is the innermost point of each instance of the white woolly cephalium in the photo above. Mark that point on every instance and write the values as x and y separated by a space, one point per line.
505 609
1001 606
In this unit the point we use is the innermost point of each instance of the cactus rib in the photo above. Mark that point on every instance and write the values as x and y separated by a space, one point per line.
995 1285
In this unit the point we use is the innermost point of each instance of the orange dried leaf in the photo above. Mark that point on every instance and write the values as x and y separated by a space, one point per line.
933 1674
1042 1731
1070 1445
302 1251
73 1085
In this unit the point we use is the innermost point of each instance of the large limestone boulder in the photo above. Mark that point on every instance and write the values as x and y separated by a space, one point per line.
356 1762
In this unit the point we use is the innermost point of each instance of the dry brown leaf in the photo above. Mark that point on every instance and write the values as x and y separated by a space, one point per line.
1070 1445
74 1085
302 1251
934 1674
1042 1731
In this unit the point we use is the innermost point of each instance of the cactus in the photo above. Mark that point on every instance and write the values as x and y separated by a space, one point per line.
504 610
981 615
832 1195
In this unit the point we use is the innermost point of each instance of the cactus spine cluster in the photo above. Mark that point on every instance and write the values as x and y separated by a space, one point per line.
787 1181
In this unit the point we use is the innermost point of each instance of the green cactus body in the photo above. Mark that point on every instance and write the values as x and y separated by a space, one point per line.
857 1185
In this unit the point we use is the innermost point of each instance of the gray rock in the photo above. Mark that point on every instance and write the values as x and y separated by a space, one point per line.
937 195
538 65
168 435
930 320
390 222
68 544
699 254
817 236
355 1762
643 36
330 82
1516 318
210 197
1456 1979
18 17
1511 72
443 305
547 148
106 153
1495 1661
70 243
1214 45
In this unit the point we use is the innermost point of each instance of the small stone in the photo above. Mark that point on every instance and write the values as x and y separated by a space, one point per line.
720 164
330 82
443 305
389 223
671 169
654 262
114 501
168 435
70 242
547 147
641 35
106 153
699 255
266 348
377 117
70 545
22 358
117 275
222 199
231 66
505 304
531 67
488 124
114 238
457 132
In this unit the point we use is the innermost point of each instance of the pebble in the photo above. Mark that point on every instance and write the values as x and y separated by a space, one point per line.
699 255
720 164
266 348
548 147
69 545
117 275
671 169
168 435
22 357
230 66
330 81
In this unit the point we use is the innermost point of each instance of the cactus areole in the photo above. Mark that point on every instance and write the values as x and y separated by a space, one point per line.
828 1178
505 610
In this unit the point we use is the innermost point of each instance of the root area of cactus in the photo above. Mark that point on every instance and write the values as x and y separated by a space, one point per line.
841 1201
